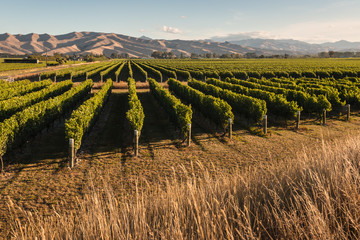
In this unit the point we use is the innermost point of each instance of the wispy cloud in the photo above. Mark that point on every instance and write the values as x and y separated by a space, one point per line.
171 30
320 31
246 35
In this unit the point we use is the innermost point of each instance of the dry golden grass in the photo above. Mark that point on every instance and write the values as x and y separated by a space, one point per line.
313 197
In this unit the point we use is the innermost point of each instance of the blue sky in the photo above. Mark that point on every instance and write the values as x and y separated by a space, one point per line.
312 21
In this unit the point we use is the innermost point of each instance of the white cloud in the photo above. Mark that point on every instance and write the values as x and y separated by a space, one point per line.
171 30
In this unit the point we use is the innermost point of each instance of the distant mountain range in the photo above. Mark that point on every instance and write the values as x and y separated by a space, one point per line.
292 46
108 43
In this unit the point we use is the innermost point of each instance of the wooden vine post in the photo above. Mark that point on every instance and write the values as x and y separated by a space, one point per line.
230 127
324 116
265 124
297 120
348 112
2 165
71 153
136 142
189 134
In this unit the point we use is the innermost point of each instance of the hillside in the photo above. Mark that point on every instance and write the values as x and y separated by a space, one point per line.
108 43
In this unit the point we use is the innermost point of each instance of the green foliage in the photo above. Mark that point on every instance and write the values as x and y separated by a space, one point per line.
140 69
281 74
28 122
179 112
84 116
307 100
97 70
308 74
15 104
169 73
250 107
294 74
269 74
77 71
214 108
131 74
155 72
215 74
109 69
196 74
135 115
61 60
23 89
118 71
240 74
322 74
5 84
254 74
336 74
275 103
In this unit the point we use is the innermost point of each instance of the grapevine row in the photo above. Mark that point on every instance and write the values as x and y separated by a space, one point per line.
214 108
157 74
22 125
84 116
23 89
179 112
15 104
5 84
142 71
308 102
135 115
275 103
251 108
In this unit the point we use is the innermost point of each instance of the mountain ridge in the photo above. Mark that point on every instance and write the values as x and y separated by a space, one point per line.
108 43
288 44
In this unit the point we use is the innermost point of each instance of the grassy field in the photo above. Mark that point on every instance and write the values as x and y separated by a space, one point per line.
312 196
37 178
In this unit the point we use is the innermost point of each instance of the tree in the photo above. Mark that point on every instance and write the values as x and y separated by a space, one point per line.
157 54
163 55
208 55
114 55
225 55
61 60
194 56
250 55
89 58
331 54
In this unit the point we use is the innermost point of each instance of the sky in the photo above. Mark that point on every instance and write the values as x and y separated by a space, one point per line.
314 21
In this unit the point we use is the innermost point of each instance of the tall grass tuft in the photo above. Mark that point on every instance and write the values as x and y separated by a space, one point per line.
316 196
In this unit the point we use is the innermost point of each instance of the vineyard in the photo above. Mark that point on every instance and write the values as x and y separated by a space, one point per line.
224 92
126 118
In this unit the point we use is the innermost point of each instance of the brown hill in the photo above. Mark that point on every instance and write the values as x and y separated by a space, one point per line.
108 43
